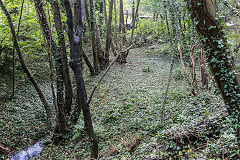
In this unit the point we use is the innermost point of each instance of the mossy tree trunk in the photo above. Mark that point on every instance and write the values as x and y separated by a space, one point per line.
203 13
62 124
63 54
93 39
105 12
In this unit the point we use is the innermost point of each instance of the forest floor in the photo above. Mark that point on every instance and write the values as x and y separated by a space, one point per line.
126 108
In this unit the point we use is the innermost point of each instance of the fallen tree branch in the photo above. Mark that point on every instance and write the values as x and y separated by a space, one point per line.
199 132
107 69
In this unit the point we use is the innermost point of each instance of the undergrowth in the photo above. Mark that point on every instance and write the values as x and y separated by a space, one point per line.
127 107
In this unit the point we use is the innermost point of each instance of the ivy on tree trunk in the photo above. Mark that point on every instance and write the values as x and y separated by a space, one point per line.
220 60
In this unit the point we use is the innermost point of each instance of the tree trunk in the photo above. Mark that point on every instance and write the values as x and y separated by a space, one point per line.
116 30
50 61
63 53
134 19
133 11
88 63
121 24
13 58
33 81
101 16
77 70
62 122
105 12
109 34
92 30
192 67
51 74
98 48
218 55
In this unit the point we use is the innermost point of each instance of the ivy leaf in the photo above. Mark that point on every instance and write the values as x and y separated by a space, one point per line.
211 27
213 60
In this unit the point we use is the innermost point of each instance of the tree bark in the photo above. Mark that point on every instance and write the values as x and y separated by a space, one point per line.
133 10
193 71
77 70
121 24
31 78
88 63
134 19
109 34
105 12
62 124
13 58
116 30
63 53
218 55
92 30
98 48
50 61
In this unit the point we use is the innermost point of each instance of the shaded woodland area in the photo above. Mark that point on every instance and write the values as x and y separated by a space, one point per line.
119 79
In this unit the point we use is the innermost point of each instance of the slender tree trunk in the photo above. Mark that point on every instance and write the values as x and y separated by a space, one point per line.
126 18
101 16
98 48
133 14
33 81
135 18
193 71
122 26
62 122
218 55
105 12
88 63
63 53
116 30
109 34
166 18
76 67
133 11
13 58
92 25
13 72
50 61
51 74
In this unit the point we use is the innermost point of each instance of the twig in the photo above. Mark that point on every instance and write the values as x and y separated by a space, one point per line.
107 69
